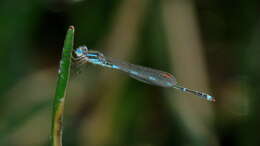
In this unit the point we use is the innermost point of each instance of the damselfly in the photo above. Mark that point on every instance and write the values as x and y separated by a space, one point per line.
143 74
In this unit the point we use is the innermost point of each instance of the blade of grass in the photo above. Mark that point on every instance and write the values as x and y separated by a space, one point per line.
59 99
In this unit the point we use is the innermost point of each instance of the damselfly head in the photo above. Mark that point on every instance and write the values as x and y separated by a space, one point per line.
81 51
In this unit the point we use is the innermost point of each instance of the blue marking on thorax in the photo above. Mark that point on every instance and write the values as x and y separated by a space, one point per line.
101 63
95 61
91 54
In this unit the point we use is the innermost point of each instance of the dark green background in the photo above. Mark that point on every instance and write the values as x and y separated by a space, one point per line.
108 108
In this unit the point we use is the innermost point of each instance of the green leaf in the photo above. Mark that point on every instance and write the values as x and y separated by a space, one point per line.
62 83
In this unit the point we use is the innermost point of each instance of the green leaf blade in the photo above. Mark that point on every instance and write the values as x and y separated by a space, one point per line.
60 93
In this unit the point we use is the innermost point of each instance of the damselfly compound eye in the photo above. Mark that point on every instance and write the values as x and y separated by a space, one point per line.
81 51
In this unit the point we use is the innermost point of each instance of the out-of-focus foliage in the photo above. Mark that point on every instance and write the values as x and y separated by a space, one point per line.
206 44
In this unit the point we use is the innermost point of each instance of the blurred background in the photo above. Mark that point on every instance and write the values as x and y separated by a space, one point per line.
209 45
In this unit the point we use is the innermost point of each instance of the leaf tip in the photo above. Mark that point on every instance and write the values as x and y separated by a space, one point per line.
72 27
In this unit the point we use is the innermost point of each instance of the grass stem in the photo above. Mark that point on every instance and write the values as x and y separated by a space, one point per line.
60 93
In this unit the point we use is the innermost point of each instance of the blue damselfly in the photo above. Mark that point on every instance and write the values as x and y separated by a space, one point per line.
143 74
